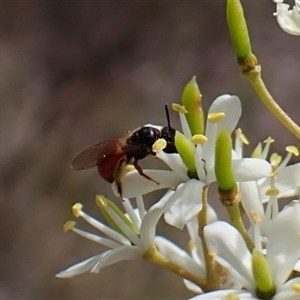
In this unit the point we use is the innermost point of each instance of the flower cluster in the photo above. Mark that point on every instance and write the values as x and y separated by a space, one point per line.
224 259
254 256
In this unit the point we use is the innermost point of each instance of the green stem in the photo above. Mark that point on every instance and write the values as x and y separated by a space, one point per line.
155 256
254 77
236 221
213 269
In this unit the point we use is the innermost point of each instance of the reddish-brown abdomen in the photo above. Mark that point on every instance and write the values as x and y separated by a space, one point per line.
107 166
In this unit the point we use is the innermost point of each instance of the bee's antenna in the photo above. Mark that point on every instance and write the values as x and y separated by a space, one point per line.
167 114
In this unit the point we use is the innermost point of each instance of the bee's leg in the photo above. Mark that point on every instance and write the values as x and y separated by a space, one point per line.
141 172
118 176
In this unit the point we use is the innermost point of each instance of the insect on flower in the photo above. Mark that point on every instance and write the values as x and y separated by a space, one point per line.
113 155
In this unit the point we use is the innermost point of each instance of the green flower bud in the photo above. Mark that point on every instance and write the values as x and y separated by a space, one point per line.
103 203
239 35
257 151
192 102
223 167
186 151
262 275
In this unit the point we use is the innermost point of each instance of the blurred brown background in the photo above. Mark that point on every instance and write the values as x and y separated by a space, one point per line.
75 73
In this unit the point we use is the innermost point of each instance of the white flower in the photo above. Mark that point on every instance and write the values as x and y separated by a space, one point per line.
194 262
288 20
286 178
284 181
283 252
137 239
185 201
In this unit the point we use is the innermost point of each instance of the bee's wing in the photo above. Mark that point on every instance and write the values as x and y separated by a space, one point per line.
95 154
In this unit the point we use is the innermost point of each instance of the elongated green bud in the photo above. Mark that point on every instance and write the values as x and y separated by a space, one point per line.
239 35
103 203
186 151
223 167
192 102
262 275
257 151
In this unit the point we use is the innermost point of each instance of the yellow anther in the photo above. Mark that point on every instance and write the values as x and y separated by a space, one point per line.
100 201
232 296
272 192
241 136
128 168
199 139
293 150
69 225
77 209
256 219
269 140
296 287
179 108
160 144
191 245
275 159
211 255
216 117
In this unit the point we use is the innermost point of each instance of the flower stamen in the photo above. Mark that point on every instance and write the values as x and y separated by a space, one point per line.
77 210
159 145
216 117
179 108
69 225
199 139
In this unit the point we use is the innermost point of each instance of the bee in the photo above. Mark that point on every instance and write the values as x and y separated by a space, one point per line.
113 155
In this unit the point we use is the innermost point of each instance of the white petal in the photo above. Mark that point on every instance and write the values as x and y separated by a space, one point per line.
81 267
140 206
288 20
131 213
211 175
297 266
184 204
250 198
175 163
231 251
192 225
248 169
289 291
148 227
159 127
117 255
192 287
134 184
231 106
185 126
283 247
200 164
226 294
179 256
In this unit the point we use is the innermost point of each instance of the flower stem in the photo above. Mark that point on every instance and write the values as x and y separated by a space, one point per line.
236 220
213 269
155 256
254 77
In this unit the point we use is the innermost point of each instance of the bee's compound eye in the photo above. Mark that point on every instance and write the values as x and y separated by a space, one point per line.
144 135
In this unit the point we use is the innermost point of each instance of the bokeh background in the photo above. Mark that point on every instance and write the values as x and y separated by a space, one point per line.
74 73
